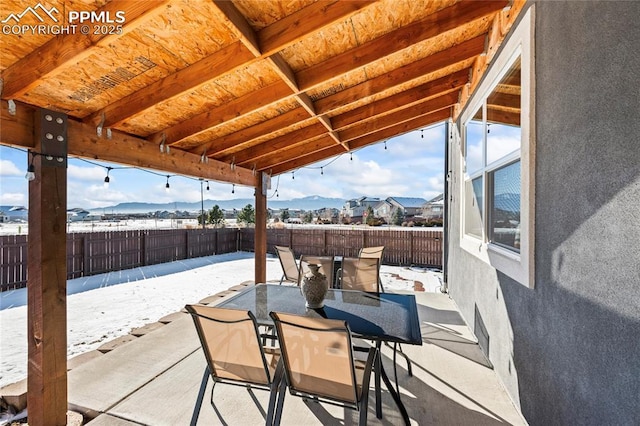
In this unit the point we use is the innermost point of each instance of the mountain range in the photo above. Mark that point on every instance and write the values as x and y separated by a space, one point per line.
312 202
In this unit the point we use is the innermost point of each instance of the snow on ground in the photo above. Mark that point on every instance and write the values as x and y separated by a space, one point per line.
103 307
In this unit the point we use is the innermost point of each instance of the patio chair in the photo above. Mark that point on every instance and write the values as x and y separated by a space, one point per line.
376 253
319 363
290 268
362 274
326 266
359 274
234 353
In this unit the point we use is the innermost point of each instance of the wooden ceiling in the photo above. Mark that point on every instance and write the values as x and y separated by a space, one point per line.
238 87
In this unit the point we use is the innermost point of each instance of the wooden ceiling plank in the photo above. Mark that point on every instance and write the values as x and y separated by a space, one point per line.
50 59
424 29
428 90
251 153
229 57
220 64
239 25
122 148
285 32
233 140
465 50
410 112
278 91
461 52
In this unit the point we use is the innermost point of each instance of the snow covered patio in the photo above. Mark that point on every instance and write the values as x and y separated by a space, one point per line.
145 368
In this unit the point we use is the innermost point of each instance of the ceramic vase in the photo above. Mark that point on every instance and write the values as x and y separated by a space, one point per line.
314 287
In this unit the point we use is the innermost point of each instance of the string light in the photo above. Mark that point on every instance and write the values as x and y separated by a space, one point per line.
293 176
31 170
233 188
207 185
422 133
167 186
385 145
106 178
321 170
351 156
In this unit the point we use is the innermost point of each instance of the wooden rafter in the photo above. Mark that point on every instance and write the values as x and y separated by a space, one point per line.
214 66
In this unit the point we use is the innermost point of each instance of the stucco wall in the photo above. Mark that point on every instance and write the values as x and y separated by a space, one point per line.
568 351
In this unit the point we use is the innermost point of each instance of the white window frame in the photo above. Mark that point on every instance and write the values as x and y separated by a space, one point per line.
519 266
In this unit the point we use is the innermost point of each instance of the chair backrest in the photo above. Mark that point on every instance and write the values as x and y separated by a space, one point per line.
373 252
359 273
288 263
326 267
231 344
318 357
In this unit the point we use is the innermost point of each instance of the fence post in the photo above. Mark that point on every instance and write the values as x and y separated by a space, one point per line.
86 263
143 247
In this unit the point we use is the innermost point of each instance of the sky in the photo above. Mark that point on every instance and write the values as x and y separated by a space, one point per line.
411 166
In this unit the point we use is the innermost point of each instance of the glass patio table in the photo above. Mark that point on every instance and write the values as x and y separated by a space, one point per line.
381 317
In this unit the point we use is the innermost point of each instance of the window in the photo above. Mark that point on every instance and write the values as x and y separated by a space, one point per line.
498 167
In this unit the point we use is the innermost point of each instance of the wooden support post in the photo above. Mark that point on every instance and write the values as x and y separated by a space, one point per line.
260 240
47 272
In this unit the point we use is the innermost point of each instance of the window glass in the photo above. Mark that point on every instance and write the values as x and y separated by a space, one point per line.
505 206
474 143
473 207
503 116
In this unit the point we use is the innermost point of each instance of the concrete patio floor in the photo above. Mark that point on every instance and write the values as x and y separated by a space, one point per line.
154 380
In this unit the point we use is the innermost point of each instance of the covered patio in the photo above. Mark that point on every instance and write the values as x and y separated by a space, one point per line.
235 92
452 383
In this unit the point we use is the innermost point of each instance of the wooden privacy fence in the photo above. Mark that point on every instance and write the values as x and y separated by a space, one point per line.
418 247
99 252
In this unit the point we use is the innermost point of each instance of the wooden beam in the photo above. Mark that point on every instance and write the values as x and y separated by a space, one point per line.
238 25
294 151
443 85
313 18
47 285
241 137
445 58
50 59
250 102
122 148
424 29
399 116
260 238
252 152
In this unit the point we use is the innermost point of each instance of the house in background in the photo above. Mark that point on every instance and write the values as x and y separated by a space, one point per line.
409 206
354 209
77 214
545 211
14 213
434 208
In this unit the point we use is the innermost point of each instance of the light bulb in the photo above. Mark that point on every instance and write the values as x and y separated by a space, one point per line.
106 181
31 173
